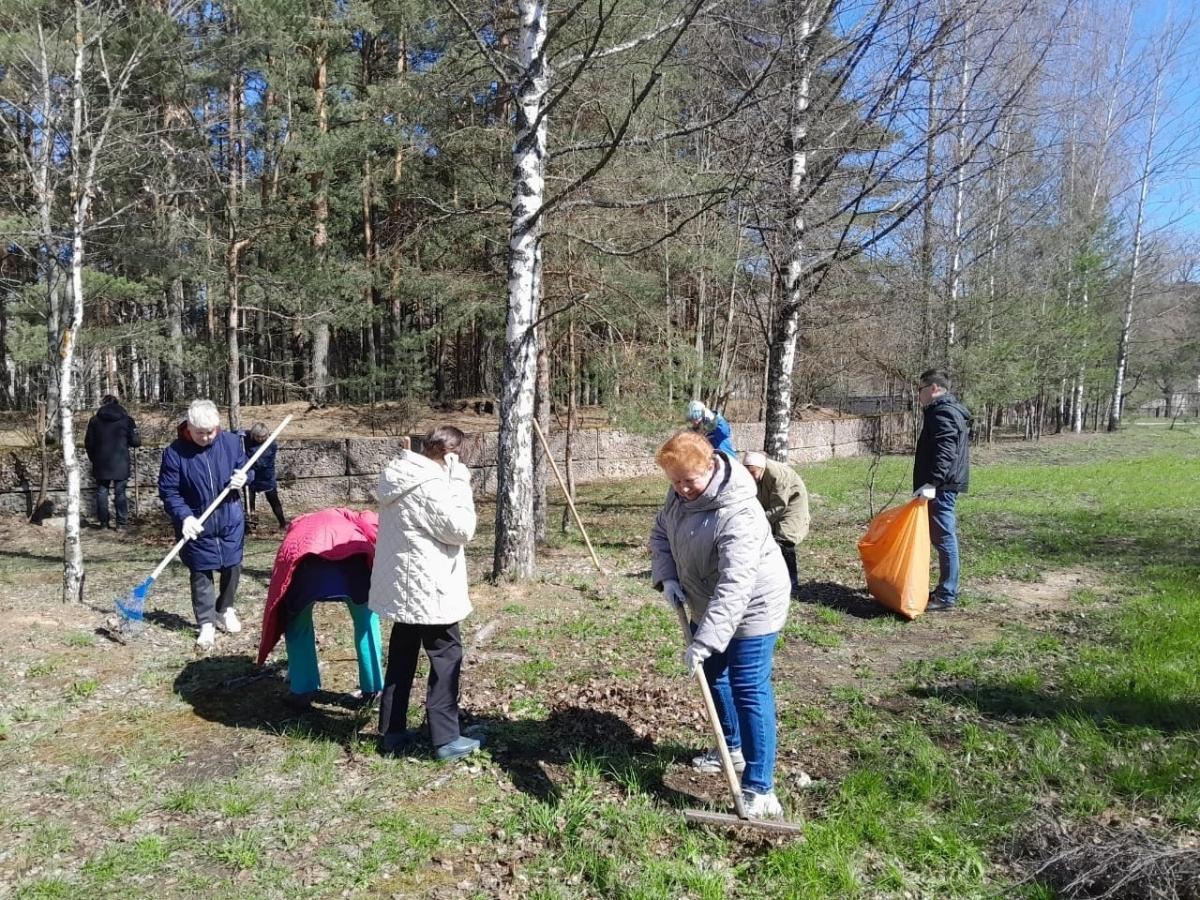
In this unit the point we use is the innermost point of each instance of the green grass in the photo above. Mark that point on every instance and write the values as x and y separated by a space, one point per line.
927 768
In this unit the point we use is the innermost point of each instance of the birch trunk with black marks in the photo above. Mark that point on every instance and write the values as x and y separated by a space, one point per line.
782 352
955 295
1107 133
514 551
73 570
1118 398
87 147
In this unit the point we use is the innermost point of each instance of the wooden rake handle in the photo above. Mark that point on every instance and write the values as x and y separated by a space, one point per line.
714 721
562 484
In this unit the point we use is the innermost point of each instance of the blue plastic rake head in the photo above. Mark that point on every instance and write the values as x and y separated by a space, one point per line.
132 607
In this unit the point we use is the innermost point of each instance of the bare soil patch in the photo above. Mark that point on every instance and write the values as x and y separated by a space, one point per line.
1052 593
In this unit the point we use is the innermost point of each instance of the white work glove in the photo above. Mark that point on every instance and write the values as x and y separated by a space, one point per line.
192 528
695 655
925 492
237 480
674 593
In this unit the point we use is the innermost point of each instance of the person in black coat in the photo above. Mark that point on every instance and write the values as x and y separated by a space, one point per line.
942 471
110 435
262 476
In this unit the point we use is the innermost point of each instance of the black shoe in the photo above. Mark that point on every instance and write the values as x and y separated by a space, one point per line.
399 743
937 604
300 703
359 700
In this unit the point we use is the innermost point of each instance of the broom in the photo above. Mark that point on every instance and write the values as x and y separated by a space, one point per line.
132 606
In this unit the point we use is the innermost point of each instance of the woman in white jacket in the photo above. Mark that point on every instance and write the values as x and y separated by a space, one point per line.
419 581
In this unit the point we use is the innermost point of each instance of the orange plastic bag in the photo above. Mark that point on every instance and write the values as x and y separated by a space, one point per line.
895 556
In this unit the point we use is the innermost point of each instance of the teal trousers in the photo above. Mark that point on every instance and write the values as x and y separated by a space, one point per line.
301 640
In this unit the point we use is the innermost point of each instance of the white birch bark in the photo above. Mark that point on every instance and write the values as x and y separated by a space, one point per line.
82 182
514 550
73 570
1107 133
960 193
782 356
1114 411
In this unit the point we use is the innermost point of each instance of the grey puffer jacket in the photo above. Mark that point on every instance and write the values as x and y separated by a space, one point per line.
720 550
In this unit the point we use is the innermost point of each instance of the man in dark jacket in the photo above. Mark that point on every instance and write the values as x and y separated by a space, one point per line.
941 472
195 469
110 435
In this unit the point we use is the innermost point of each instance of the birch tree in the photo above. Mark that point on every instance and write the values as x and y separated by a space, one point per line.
531 79
1155 161
870 62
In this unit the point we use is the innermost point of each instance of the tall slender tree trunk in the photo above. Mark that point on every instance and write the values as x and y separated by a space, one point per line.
73 570
1118 397
514 551
1107 132
233 252
925 252
175 302
572 421
960 193
232 331
320 342
541 407
782 353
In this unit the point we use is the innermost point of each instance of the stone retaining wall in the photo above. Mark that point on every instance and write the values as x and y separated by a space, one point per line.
339 472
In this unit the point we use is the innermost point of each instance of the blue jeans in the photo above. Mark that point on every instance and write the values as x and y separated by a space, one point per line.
740 679
943 533
119 499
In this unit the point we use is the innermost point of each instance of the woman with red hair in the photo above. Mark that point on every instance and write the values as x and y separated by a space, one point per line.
713 555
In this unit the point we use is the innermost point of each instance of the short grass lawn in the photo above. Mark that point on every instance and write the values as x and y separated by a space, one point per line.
1039 742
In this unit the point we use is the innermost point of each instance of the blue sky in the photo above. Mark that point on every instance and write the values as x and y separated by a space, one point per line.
1174 201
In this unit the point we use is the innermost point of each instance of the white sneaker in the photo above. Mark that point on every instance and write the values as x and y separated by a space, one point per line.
208 636
710 761
229 621
762 806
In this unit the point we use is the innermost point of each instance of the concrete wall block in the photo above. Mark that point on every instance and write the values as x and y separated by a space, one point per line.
749 436
310 459
369 456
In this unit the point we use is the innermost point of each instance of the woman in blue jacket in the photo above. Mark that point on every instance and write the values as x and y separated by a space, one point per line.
195 468
262 476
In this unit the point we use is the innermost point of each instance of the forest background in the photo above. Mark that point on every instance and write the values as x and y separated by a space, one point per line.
614 204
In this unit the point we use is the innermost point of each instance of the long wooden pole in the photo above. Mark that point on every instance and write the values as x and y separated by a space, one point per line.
553 465
714 722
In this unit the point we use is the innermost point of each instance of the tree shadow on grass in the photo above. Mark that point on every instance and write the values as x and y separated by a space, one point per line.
854 602
235 692
537 754
1138 708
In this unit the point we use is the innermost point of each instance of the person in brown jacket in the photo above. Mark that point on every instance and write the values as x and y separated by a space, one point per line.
784 498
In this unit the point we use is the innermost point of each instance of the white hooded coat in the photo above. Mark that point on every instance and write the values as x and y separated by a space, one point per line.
426 518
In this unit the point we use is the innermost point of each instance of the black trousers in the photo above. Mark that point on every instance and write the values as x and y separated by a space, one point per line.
119 500
443 645
207 604
789 556
273 499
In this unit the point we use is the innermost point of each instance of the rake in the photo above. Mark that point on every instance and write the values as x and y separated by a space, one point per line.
706 817
131 607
